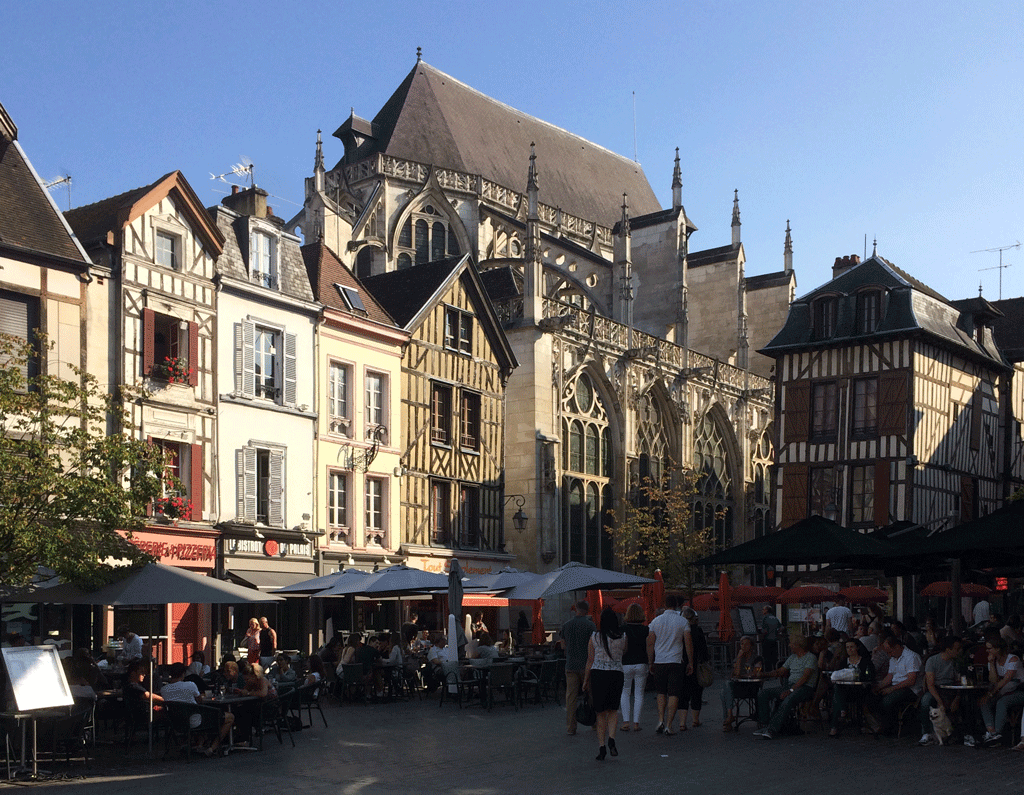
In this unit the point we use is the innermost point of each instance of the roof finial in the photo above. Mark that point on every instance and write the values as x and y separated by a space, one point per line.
677 184
736 217
318 163
625 215
532 183
979 289
874 248
419 54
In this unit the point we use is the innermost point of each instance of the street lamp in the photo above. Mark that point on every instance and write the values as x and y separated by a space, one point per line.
519 518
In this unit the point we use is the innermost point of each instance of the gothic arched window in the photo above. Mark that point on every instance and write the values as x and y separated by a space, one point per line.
714 504
426 236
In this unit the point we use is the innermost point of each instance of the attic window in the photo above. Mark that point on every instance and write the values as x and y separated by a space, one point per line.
825 313
869 310
351 298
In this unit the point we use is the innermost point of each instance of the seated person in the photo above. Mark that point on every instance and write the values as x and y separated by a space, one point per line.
247 714
284 672
801 673
348 654
903 683
485 647
472 649
1004 676
831 654
315 673
368 655
197 671
136 691
77 680
87 669
939 670
331 654
857 659
747 665
422 643
879 656
433 672
230 677
180 689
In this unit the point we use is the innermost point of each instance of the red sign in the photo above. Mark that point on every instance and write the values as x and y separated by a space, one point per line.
270 547
177 549
1002 584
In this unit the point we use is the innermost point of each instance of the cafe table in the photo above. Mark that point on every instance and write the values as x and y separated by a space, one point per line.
745 693
971 710
854 693
226 702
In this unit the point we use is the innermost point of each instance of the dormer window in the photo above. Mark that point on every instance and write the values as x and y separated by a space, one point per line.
263 259
351 297
869 311
825 314
167 250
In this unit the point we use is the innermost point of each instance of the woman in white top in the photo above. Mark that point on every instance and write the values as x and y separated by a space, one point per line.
1004 676
604 678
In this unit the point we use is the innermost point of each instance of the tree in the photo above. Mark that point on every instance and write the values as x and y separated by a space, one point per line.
655 530
74 483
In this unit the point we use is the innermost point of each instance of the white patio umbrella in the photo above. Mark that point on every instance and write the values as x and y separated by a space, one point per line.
573 577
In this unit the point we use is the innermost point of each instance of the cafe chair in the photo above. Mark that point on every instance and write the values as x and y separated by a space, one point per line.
308 697
908 715
352 682
275 715
67 733
501 678
179 724
458 685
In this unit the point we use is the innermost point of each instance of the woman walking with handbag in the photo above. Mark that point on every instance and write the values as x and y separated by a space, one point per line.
603 679
694 684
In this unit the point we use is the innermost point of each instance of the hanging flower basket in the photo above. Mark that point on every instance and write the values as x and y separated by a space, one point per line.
173 369
173 507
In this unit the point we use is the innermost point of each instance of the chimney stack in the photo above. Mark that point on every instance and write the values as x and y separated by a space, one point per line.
843 264
251 201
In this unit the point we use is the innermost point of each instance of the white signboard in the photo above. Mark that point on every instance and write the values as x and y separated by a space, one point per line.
37 677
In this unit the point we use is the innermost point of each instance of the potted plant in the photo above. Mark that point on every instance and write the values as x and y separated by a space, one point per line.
173 369
173 507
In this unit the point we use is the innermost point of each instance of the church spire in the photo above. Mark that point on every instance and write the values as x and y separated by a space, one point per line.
677 184
736 217
787 251
318 163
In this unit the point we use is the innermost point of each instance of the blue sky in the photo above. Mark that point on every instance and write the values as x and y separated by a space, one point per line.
901 121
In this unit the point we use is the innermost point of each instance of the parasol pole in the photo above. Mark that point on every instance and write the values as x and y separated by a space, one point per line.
956 597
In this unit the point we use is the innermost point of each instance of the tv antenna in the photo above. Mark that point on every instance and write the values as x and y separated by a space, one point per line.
1000 266
65 180
244 170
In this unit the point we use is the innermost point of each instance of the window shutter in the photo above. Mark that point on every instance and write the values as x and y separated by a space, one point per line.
275 511
976 419
797 411
967 493
794 494
245 462
196 490
148 340
881 495
193 353
290 346
245 358
892 403
149 505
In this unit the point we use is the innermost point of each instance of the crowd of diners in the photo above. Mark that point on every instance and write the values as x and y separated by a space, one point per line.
872 673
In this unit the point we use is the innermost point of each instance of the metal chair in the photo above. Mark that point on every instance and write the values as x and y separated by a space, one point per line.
454 680
308 698
353 681
274 715
179 723
501 678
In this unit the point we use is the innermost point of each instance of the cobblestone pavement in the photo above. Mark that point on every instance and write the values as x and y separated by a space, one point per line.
418 748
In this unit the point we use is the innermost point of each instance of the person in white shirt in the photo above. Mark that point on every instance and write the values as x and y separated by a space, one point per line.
839 618
132 645
1004 675
179 690
982 611
669 635
903 683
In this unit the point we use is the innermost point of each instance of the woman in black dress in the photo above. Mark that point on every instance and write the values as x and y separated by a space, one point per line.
693 693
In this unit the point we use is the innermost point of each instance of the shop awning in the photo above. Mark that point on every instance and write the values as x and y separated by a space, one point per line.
266 580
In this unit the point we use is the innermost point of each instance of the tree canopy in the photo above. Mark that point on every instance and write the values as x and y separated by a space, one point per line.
74 480
655 530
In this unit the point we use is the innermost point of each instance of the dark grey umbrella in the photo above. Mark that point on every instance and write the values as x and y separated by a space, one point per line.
573 577
455 600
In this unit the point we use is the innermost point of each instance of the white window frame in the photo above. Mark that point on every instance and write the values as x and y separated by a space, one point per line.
285 379
247 460
339 517
263 250
458 330
339 400
375 511
375 411
175 249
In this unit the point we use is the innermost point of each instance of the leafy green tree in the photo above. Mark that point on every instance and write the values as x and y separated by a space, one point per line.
655 530
74 482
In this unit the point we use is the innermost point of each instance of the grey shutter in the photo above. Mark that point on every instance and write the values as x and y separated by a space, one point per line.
275 511
290 345
245 358
14 321
245 463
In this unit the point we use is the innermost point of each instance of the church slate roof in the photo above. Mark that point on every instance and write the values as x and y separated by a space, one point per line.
911 308
434 118
325 270
29 222
764 281
710 256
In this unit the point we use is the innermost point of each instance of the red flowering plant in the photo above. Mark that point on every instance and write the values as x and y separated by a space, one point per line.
173 369
173 507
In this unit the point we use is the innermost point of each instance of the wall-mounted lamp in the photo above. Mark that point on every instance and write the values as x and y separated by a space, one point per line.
519 518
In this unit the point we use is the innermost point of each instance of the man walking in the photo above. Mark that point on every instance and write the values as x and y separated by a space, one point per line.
669 635
576 634
770 638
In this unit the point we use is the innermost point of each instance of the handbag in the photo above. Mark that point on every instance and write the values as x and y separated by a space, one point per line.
705 674
585 714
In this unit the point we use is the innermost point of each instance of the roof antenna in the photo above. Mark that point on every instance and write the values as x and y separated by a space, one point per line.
635 159
998 267
865 245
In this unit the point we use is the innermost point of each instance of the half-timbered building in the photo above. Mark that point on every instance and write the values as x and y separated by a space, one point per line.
455 368
892 403
635 350
156 247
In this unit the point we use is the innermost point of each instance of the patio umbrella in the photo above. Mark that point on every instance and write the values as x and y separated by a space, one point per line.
996 539
401 579
500 581
455 599
705 601
151 584
315 586
596 602
573 577
354 581
807 594
622 605
945 588
809 541
864 594
659 592
725 631
539 636
745 594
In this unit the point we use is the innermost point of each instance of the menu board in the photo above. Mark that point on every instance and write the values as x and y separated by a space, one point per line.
37 677
748 623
